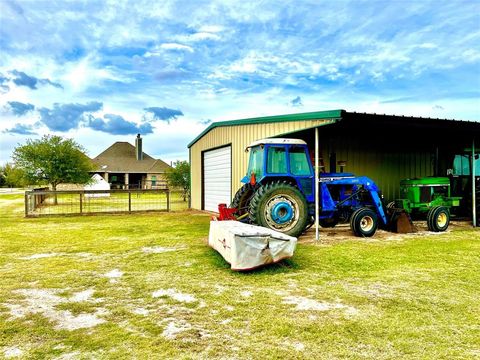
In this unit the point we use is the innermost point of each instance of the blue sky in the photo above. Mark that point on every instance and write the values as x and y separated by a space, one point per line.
102 71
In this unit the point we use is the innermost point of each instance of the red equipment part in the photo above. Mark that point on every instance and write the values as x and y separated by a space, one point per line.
226 213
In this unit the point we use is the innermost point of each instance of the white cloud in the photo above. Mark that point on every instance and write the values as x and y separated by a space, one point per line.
175 46
86 72
428 46
200 36
211 29
471 55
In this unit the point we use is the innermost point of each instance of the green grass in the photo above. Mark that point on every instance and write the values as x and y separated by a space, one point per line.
417 298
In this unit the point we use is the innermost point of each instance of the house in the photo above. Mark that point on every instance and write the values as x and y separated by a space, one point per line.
125 166
386 148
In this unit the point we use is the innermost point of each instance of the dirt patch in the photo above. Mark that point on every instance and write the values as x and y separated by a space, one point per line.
303 303
44 302
87 256
114 275
246 294
12 352
189 332
175 295
85 295
141 311
375 290
160 249
174 328
219 289
69 356
343 232
41 256
297 346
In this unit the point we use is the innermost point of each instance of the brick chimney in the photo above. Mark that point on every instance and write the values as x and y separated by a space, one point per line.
138 148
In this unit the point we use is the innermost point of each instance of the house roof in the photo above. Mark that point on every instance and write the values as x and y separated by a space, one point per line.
339 115
121 157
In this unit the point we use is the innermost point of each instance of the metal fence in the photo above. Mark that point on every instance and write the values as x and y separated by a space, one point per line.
84 202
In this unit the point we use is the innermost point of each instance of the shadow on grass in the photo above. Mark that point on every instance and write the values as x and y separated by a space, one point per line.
284 266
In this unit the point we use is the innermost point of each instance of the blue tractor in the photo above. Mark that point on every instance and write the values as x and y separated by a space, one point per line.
279 192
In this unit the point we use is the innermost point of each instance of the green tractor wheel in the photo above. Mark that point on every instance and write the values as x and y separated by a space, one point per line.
281 207
438 218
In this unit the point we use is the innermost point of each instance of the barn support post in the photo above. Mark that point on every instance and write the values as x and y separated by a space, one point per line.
317 205
129 201
474 197
81 203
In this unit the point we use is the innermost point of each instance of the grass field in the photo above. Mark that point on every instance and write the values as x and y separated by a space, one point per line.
147 286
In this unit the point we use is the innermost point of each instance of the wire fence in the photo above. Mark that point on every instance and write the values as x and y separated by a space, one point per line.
88 202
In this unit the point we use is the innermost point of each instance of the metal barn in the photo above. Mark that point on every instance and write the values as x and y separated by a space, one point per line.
385 148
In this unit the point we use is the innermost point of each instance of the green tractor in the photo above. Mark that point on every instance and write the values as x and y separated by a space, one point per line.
430 197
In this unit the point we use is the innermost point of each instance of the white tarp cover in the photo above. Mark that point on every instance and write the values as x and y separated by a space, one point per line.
246 246
98 183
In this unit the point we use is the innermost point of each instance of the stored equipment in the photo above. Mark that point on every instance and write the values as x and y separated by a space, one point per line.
279 193
430 197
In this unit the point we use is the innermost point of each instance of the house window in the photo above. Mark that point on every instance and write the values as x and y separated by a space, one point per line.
154 180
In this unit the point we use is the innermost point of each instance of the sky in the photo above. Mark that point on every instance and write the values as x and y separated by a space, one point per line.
103 71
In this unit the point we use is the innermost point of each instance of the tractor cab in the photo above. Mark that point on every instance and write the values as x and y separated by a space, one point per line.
278 157
281 160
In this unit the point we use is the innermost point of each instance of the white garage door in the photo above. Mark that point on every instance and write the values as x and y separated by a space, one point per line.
217 177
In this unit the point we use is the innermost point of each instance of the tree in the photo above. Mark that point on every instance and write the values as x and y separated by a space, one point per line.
12 176
53 160
179 176
3 176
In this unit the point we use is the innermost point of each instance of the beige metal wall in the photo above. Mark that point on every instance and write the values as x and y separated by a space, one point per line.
239 136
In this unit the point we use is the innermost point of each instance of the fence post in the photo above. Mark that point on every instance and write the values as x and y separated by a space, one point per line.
26 204
129 201
168 200
81 203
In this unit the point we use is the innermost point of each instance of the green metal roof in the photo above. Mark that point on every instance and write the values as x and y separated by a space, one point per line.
331 114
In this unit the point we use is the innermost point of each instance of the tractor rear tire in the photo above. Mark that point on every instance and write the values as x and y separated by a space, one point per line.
280 207
242 198
364 222
438 219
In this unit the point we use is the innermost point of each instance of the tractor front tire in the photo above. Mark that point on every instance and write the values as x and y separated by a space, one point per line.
364 222
280 207
438 219
242 198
